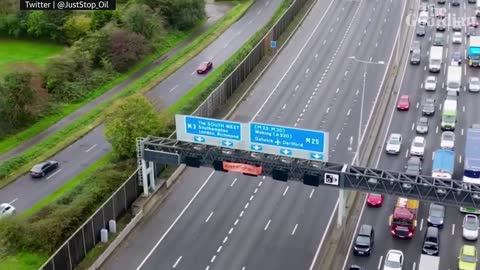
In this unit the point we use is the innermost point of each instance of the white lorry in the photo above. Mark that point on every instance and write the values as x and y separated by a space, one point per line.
428 262
454 78
477 9
435 61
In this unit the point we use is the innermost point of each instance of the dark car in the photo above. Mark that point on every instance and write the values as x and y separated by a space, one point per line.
431 242
204 67
421 30
441 24
414 166
364 240
354 267
455 3
441 2
428 107
472 1
471 31
416 57
422 125
42 169
415 46
438 39
456 58
436 215
456 26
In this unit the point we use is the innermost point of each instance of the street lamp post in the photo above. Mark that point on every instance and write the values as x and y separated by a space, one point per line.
356 158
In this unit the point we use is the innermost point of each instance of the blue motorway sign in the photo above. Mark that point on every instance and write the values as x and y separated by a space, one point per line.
209 131
213 128
273 44
287 141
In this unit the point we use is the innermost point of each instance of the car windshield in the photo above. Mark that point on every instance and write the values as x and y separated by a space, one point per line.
468 259
430 245
431 80
363 240
413 167
394 140
37 168
375 195
2 208
391 262
471 224
436 212
422 122
475 81
418 144
447 137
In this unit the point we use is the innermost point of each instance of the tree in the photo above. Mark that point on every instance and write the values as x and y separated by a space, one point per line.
183 14
35 24
16 97
126 49
101 17
77 27
128 119
143 20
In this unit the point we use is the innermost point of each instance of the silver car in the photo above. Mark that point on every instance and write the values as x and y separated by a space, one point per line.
6 210
474 84
422 125
431 83
393 260
394 144
447 140
470 227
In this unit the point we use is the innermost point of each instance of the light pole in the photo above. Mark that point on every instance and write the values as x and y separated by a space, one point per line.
356 159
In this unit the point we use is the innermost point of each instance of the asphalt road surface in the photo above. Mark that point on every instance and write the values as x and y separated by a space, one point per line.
25 192
403 122
216 220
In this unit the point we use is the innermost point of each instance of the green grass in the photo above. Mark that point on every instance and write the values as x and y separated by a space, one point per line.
6 144
72 183
17 166
25 52
22 261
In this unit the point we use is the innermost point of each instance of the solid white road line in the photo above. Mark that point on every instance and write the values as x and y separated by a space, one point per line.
421 224
266 226
233 183
95 145
453 228
294 229
294 60
209 216
176 263
414 265
53 174
175 221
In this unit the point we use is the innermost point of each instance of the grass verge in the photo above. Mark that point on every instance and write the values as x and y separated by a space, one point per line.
15 53
172 40
22 261
17 166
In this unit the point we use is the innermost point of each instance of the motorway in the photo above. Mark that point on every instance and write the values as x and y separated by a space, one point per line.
403 122
216 220
25 192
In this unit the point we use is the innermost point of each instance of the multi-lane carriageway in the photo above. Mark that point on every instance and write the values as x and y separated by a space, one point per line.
404 122
228 221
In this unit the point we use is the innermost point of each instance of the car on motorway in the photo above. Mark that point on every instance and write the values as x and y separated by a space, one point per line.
423 7
430 83
403 103
428 107
416 57
457 38
394 143
6 210
456 59
431 242
455 3
472 1
393 260
470 227
473 23
441 24
421 30
438 39
204 67
471 31
422 125
440 13
414 166
474 84
374 199
418 146
42 169
364 241
441 2
354 267
415 45
447 140
456 26
467 260
436 215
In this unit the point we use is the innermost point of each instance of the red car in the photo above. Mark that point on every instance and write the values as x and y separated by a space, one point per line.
374 199
403 103
204 67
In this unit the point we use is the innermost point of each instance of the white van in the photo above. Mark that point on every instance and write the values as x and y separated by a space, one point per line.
423 18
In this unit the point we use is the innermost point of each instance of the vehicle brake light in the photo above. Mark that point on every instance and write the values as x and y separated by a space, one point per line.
410 234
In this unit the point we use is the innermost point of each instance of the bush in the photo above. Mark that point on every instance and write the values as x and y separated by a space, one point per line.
183 14
48 228
141 19
126 49
128 119
77 27
101 17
